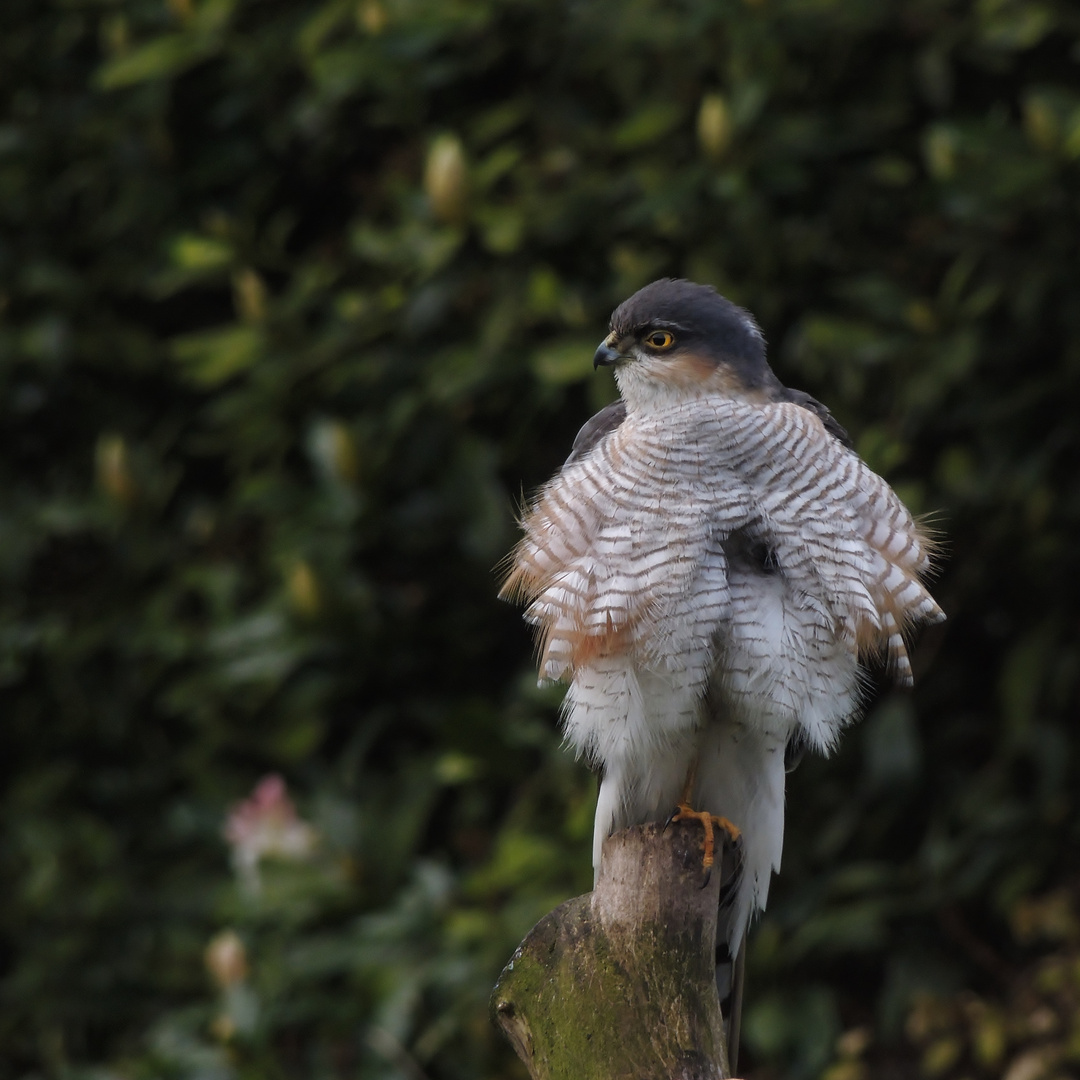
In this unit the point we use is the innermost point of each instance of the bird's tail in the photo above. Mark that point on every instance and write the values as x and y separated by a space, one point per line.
729 984
730 969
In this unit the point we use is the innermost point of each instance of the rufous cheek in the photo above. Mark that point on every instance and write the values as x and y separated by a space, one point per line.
690 370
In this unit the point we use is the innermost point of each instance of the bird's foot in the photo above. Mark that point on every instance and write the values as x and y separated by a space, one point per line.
709 822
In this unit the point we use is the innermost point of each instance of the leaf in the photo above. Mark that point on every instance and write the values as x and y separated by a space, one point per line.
209 357
158 59
568 360
646 125
189 251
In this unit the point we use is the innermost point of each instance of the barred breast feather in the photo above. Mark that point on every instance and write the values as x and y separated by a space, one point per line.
624 550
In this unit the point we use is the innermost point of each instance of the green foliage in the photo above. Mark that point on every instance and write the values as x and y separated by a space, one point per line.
297 299
1027 1030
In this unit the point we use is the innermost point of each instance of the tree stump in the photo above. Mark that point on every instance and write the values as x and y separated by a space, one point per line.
620 984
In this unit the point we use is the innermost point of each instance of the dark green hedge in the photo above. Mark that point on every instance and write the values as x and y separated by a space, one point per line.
297 299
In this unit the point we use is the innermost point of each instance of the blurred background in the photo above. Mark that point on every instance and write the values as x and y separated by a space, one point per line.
297 304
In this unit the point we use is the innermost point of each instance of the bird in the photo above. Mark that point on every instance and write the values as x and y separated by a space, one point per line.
714 571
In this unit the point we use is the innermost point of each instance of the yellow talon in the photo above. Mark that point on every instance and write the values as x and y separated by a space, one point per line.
684 812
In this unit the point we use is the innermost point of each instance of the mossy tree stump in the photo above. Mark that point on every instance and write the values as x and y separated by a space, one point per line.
620 983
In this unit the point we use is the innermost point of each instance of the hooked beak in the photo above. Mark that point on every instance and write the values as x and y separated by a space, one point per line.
607 355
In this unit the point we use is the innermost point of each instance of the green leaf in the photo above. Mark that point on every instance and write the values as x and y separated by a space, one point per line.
566 360
647 125
209 357
161 58
189 251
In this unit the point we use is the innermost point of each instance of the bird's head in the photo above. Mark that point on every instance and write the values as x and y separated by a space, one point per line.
675 339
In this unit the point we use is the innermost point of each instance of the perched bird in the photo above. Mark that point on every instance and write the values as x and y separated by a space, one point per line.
711 570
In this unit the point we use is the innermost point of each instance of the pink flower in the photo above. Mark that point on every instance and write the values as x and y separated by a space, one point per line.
266 823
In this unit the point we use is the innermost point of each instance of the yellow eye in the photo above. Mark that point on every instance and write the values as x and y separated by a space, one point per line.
660 339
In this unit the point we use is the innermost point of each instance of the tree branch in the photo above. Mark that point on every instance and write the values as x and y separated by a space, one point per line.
620 983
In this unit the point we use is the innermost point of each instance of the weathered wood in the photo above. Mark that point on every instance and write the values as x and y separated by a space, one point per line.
619 984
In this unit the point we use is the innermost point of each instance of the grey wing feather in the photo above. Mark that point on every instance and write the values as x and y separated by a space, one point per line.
607 419
800 397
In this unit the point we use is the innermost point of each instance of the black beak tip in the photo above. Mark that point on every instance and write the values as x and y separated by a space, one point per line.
605 356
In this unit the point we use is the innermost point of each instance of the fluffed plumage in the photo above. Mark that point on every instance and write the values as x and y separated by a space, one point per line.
710 570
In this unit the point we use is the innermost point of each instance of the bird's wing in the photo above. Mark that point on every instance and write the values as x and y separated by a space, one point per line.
843 530
803 399
592 431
